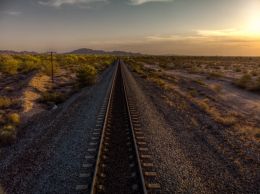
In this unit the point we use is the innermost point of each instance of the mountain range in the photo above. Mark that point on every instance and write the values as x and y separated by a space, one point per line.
78 51
102 52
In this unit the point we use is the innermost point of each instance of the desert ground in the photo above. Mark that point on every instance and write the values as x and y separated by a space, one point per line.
200 116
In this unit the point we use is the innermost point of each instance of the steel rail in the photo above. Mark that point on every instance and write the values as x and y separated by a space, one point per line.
133 134
94 180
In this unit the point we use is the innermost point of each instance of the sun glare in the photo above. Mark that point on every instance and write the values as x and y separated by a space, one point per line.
253 26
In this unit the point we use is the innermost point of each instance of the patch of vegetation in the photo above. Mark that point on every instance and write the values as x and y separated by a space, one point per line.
248 82
8 64
6 102
238 69
248 130
244 81
14 118
86 75
8 128
200 82
215 74
227 119
7 134
160 82
193 92
217 88
82 69
51 98
25 63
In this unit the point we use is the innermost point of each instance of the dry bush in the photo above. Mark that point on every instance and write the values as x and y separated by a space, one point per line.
14 118
215 74
228 119
8 64
254 73
200 82
7 134
6 102
244 81
51 98
251 131
159 82
238 69
256 85
86 75
193 92
217 88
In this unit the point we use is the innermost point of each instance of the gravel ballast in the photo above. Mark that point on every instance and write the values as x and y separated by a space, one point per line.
192 153
48 155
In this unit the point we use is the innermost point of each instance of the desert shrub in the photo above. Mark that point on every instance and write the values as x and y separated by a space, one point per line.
47 67
7 134
256 85
51 98
193 92
137 68
215 74
217 87
237 69
254 73
28 66
194 69
106 63
86 75
244 81
14 118
200 82
227 119
6 102
8 64
69 59
249 130
258 82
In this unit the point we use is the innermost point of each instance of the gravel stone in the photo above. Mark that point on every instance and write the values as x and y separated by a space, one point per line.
47 157
189 158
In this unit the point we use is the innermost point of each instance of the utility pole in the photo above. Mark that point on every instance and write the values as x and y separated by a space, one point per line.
52 70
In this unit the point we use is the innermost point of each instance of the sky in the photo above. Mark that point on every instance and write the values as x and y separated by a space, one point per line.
164 27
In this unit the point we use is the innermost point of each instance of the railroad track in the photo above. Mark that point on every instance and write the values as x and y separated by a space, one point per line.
117 161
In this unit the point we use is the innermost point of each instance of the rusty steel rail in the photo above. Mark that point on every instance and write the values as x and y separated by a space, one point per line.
122 163
103 132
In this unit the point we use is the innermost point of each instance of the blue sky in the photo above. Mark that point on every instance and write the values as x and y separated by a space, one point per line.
190 27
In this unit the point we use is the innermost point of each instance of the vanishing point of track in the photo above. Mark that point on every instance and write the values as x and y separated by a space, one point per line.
118 160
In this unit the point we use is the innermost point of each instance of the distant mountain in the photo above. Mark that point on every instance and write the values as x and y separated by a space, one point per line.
78 51
101 52
17 52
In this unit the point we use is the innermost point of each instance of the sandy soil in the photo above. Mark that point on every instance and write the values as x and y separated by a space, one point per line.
242 101
31 94
48 155
192 152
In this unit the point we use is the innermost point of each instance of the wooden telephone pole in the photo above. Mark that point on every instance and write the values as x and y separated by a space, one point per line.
52 69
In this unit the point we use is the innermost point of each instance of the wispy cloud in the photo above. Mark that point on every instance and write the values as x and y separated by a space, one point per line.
170 37
140 2
13 13
59 3
221 33
225 36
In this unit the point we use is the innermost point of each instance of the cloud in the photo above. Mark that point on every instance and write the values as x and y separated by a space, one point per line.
140 2
229 35
59 3
226 36
170 37
221 33
13 13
